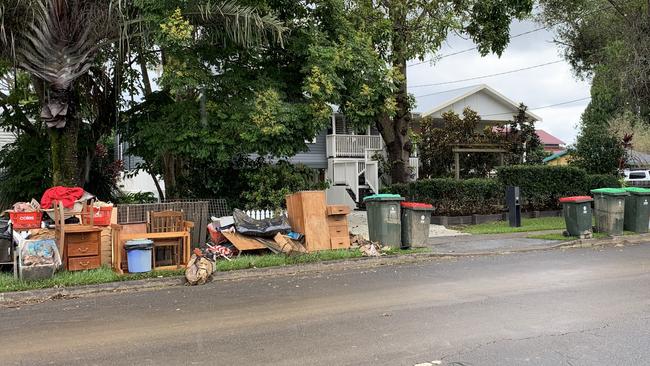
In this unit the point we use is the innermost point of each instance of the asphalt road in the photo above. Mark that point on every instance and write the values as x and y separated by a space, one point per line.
573 307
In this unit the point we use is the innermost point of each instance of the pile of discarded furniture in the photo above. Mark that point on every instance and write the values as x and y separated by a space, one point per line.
70 229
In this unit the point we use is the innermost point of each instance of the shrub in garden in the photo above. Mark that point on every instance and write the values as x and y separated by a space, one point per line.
451 197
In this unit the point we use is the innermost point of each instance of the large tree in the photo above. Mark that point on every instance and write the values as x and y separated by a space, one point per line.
59 41
402 30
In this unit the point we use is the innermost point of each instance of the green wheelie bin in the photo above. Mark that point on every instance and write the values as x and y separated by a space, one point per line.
577 215
637 209
384 220
416 218
610 210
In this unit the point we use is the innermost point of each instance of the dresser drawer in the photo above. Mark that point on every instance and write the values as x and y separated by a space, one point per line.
339 231
81 238
341 242
337 220
338 210
82 249
81 263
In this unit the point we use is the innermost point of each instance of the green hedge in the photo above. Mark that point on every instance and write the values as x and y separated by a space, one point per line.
451 197
541 187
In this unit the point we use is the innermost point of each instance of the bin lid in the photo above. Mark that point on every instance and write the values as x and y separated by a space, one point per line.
138 244
576 199
384 197
610 191
417 205
638 191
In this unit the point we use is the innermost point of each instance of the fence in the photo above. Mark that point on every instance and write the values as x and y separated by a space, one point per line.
196 211
216 207
264 214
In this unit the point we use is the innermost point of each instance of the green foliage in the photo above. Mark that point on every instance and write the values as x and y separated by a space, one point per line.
135 197
453 197
269 185
598 152
24 169
438 139
594 181
542 186
523 143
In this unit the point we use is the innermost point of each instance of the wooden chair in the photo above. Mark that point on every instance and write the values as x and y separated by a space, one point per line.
168 222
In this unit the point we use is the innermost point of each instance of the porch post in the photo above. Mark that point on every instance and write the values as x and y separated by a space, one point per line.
333 123
457 165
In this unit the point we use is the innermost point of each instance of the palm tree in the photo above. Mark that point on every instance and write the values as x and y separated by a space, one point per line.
57 42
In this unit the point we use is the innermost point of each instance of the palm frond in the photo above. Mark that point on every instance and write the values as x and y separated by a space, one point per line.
241 24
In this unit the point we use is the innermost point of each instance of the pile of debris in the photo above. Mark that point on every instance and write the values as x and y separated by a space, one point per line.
232 235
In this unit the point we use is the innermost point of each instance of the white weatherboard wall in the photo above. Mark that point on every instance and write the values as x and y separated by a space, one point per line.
141 182
6 137
485 105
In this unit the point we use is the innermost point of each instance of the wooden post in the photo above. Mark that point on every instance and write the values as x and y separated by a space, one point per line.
457 165
501 161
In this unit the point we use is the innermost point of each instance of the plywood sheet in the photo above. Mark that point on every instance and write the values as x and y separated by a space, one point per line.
242 242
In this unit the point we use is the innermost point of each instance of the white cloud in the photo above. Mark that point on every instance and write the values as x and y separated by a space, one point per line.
537 87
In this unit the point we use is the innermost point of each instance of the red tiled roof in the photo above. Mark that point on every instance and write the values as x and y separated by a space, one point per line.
548 139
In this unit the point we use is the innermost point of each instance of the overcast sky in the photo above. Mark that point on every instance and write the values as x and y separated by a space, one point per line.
536 87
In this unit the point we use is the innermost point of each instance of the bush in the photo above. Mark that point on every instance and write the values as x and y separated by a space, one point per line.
451 197
602 181
541 187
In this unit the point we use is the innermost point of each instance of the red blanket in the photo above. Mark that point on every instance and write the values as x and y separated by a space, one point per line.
65 195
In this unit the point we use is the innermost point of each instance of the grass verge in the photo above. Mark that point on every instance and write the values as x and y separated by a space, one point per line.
560 237
67 279
106 275
502 227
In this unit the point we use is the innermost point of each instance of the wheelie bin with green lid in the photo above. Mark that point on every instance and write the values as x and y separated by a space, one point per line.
384 221
416 218
577 215
610 210
637 209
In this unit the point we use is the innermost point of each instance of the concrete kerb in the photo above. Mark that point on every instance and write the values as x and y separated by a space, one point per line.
36 296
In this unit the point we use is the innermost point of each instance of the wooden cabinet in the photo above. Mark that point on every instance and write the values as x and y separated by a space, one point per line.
337 222
81 247
307 215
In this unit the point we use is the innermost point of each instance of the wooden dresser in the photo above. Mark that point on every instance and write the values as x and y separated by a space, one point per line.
337 222
81 247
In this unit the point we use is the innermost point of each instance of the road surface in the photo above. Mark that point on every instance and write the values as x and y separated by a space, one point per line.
563 307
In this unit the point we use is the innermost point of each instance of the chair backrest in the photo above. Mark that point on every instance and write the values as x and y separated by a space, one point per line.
164 221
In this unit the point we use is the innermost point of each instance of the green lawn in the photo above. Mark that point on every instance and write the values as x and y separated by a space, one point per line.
77 278
105 274
502 227
561 237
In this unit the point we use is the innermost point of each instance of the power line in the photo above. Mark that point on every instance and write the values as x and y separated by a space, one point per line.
597 10
543 107
470 49
486 76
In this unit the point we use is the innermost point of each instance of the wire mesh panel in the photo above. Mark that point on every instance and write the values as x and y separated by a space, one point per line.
195 211
216 207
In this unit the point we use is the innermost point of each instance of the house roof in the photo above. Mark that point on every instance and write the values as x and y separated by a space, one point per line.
557 155
548 139
437 102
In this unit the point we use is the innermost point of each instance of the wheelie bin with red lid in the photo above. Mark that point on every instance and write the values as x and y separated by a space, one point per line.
577 215
416 218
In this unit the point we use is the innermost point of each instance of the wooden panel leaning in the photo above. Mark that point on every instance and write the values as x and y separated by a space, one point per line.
307 211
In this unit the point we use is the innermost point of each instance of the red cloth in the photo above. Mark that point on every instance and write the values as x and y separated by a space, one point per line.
65 195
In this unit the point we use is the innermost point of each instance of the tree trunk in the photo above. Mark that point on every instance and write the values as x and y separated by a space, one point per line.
394 130
63 146
172 166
